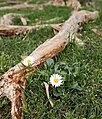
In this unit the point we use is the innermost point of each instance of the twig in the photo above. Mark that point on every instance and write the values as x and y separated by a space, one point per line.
21 6
47 93
99 33
7 19
9 30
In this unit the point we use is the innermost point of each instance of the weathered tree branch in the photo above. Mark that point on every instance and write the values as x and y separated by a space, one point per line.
10 2
9 30
12 83
7 19
22 6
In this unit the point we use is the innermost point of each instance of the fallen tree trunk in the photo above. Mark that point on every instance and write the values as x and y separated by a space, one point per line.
12 83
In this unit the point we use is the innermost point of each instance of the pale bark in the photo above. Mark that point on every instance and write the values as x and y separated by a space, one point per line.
22 6
98 32
7 19
12 83
74 4
10 2
10 30
58 2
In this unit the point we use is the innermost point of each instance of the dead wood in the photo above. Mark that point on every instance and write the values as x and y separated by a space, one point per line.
58 2
10 2
22 6
74 4
56 28
12 83
25 5
98 32
10 30
7 19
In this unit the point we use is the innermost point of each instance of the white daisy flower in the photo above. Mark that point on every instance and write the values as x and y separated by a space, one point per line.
55 80
28 60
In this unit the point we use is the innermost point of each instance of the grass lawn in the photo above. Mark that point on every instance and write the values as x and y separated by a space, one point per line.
81 67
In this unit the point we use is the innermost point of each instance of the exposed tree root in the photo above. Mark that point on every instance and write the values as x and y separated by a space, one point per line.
12 83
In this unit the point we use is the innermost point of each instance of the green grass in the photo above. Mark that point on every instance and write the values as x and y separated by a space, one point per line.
49 12
80 67
35 16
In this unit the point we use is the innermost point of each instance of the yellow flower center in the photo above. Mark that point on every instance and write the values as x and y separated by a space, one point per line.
56 80
28 60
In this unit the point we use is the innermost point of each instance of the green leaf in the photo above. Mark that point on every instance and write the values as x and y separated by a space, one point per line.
56 67
56 93
49 63
77 70
76 86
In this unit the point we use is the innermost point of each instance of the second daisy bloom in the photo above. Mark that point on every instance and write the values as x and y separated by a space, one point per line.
55 80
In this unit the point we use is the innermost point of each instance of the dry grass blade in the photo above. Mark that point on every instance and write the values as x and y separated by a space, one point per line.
99 33
47 93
